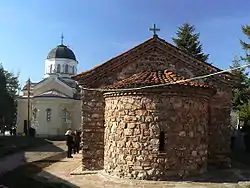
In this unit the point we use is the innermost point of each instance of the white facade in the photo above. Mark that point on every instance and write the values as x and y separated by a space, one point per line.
54 101
64 67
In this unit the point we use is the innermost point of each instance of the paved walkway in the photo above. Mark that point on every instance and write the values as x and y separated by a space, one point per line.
11 162
60 172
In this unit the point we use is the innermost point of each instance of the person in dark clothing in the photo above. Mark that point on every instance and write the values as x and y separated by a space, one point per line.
74 143
77 141
69 142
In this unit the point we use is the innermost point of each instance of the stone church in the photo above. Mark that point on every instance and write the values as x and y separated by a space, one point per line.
153 132
54 101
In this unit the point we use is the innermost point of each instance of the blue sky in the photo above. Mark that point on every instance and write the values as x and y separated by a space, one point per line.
97 30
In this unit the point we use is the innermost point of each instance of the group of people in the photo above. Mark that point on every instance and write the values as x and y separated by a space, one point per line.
73 140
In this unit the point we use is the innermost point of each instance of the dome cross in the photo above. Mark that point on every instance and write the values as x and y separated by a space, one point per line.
62 37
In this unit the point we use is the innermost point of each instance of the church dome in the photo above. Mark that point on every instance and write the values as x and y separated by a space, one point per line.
61 51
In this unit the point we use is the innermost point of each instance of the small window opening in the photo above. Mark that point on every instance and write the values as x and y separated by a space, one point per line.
162 141
66 68
50 68
58 68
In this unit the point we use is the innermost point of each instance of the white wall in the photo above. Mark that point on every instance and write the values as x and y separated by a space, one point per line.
22 114
56 126
53 83
62 62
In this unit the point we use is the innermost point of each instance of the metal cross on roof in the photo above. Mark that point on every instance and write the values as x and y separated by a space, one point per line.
62 37
154 29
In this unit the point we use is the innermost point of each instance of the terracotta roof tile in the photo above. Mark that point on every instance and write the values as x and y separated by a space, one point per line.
108 67
153 78
111 62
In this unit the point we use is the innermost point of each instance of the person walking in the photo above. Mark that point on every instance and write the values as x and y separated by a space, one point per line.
69 142
74 142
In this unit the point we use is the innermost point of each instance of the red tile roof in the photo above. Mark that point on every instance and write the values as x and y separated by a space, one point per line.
106 69
112 61
153 78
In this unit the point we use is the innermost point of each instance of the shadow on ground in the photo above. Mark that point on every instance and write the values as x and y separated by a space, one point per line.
24 175
240 171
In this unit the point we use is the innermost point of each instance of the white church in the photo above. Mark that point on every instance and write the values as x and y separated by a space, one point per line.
54 102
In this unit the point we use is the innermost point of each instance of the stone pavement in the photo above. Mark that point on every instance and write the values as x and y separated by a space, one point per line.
11 162
61 172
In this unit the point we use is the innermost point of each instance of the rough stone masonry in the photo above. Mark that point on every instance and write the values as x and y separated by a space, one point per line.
135 123
153 54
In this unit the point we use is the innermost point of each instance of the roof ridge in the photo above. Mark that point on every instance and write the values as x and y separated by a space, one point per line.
93 75
116 57
53 90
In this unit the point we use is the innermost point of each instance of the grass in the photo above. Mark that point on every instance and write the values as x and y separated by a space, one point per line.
13 144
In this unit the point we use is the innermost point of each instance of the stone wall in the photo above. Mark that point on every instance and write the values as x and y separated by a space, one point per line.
134 123
219 131
93 130
219 138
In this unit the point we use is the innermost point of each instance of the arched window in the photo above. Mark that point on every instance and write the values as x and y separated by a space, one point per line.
48 114
50 69
73 69
66 68
65 115
58 69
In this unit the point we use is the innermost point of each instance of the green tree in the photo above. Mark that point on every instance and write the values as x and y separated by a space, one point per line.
9 86
245 45
244 113
241 90
3 97
12 88
188 41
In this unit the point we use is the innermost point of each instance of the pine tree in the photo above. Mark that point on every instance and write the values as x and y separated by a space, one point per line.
246 46
188 41
241 91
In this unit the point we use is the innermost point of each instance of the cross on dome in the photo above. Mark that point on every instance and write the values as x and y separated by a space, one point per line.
62 37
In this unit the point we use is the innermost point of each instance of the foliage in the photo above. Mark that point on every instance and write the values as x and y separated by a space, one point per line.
246 46
244 113
241 91
13 87
246 31
9 86
188 41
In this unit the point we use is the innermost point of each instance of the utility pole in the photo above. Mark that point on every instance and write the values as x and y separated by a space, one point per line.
28 121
